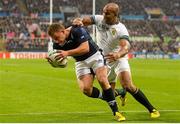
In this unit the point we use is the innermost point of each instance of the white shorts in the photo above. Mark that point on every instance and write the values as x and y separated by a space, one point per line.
116 68
90 64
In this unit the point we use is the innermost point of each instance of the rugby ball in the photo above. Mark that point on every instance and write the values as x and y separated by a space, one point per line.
61 62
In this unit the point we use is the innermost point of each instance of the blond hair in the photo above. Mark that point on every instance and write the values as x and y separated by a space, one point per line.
55 27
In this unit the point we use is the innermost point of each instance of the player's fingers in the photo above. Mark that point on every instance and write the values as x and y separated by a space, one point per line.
52 65
58 51
108 57
58 57
50 61
77 21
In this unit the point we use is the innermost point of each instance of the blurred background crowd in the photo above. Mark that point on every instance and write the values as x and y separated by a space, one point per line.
154 25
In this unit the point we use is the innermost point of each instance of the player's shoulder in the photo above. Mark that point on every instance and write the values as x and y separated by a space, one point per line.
98 17
120 28
78 29
120 25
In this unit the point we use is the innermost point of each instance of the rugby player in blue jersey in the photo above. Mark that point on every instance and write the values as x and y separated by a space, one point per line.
76 42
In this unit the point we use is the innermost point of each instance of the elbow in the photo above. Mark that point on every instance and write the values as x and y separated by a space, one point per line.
88 50
85 50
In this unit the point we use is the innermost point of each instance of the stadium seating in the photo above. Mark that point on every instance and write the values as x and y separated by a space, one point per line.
164 30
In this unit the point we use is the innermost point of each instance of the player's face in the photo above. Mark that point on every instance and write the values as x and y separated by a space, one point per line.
109 16
59 37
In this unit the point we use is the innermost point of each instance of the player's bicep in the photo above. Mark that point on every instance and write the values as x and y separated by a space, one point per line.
83 47
84 44
124 43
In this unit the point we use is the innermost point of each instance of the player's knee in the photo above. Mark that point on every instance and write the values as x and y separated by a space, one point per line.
126 81
102 79
129 87
103 82
87 91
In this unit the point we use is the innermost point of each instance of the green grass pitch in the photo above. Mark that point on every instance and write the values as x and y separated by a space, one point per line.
33 91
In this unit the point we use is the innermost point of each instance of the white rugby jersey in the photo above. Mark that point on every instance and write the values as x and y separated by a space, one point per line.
108 36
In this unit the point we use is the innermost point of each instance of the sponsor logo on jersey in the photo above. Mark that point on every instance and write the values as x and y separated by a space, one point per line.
69 41
82 37
113 31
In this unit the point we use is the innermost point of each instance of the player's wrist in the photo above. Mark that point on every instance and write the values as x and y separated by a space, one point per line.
118 55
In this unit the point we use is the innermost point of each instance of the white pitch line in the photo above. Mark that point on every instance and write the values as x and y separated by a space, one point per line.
98 112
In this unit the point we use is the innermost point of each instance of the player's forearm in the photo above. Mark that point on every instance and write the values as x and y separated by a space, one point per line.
125 46
122 52
77 52
86 21
82 49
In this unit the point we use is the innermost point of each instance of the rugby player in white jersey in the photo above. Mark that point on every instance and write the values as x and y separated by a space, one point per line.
113 39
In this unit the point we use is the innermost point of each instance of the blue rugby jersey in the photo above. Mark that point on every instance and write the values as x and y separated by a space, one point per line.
77 36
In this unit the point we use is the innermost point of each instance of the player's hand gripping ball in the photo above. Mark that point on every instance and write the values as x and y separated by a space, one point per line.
52 59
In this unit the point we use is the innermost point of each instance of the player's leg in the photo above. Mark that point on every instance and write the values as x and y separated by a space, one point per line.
108 94
85 79
86 86
121 93
98 66
126 81
118 92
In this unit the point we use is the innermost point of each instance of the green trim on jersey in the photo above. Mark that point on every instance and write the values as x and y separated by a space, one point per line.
124 37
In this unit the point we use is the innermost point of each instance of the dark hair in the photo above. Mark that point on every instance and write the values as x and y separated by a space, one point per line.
116 8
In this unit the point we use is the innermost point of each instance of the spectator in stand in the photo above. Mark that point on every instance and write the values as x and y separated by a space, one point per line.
34 29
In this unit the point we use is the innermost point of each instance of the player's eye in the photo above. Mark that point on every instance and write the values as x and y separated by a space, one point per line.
55 38
106 13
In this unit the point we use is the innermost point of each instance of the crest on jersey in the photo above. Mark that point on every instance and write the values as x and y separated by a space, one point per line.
113 31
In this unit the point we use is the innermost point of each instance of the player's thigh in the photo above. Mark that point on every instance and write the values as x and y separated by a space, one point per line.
101 75
81 69
112 76
97 63
122 69
84 75
126 81
125 77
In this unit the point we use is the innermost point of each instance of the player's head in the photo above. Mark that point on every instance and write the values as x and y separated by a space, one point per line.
57 32
110 13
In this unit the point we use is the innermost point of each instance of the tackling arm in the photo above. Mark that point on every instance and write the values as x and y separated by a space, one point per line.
86 21
124 45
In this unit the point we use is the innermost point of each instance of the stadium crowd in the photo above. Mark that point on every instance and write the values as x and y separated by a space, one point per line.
27 32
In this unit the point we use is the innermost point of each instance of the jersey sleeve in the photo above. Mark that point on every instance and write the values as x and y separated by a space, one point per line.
50 46
123 32
96 19
81 35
